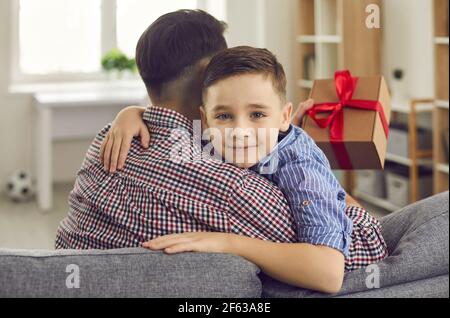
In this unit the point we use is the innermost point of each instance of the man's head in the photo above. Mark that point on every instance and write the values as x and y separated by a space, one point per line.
244 104
172 53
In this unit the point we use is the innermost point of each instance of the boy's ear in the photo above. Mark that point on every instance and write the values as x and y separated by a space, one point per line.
203 118
286 116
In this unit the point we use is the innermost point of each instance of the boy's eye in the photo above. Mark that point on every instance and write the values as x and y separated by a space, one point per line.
257 115
223 117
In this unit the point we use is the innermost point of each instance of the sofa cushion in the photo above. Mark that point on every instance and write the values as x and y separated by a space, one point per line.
418 240
125 273
435 287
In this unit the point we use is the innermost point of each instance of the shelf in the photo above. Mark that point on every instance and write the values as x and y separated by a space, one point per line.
305 83
405 107
441 40
407 161
442 104
442 167
382 203
319 39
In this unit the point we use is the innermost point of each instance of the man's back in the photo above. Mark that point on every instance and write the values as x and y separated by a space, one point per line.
157 195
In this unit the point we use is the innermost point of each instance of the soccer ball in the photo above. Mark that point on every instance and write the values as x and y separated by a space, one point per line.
20 187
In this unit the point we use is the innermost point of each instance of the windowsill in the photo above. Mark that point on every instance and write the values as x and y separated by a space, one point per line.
101 85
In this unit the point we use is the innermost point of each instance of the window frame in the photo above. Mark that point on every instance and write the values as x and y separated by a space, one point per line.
108 41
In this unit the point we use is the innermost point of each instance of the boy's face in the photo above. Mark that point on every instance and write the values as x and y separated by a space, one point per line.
244 115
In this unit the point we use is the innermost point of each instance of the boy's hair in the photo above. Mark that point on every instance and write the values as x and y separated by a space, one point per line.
174 42
246 60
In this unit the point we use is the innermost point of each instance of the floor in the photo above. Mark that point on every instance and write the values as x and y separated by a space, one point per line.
24 226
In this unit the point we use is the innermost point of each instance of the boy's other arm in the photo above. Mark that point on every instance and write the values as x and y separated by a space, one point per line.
127 124
300 264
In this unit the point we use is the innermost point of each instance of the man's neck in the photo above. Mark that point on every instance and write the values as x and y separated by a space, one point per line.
189 111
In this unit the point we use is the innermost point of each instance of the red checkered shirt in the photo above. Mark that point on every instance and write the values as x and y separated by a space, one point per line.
155 196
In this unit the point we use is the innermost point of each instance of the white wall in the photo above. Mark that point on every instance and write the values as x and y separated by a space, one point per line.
408 37
265 23
15 117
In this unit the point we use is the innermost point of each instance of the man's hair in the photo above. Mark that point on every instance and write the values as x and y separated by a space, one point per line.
246 60
174 42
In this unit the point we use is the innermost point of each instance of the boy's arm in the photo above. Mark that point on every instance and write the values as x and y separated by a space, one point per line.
127 124
309 266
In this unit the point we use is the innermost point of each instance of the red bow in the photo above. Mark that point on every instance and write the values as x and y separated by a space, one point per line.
345 87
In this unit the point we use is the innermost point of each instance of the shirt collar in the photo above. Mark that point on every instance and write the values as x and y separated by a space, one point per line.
167 118
284 139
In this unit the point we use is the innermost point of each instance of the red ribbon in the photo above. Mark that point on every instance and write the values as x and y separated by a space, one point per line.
345 87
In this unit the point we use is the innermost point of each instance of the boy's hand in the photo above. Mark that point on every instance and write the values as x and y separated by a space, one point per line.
206 242
117 143
303 107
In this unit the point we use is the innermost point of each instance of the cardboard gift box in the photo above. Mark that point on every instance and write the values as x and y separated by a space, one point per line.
350 120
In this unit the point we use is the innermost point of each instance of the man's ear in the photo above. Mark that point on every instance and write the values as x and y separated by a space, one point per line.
286 117
203 118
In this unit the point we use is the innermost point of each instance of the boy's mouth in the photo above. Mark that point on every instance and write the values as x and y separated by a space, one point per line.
240 147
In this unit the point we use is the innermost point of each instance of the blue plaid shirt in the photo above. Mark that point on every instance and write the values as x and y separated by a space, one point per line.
317 200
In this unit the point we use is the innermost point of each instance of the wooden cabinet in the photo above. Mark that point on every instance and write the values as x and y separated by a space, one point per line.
441 108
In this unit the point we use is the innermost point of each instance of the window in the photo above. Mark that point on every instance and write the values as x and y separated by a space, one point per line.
65 40
63 37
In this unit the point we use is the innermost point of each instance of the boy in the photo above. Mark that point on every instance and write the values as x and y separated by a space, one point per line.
244 94
246 113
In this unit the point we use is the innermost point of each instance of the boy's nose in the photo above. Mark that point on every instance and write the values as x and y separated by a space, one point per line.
241 133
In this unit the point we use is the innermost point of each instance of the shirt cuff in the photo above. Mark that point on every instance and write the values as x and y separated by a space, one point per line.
334 239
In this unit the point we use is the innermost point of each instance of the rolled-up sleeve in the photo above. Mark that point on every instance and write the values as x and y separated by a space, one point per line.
317 201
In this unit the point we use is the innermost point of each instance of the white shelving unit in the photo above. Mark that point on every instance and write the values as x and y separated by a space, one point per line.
442 167
442 104
441 40
319 39
380 202
320 35
407 161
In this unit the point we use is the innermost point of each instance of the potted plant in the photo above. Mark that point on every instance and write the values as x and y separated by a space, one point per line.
115 62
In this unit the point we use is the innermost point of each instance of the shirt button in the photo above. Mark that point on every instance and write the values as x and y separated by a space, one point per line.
305 203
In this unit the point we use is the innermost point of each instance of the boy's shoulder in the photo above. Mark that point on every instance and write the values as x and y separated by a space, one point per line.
299 144
297 140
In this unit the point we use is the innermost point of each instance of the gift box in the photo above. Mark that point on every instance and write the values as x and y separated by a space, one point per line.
350 120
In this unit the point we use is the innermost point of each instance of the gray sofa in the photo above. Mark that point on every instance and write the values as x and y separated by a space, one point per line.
418 265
